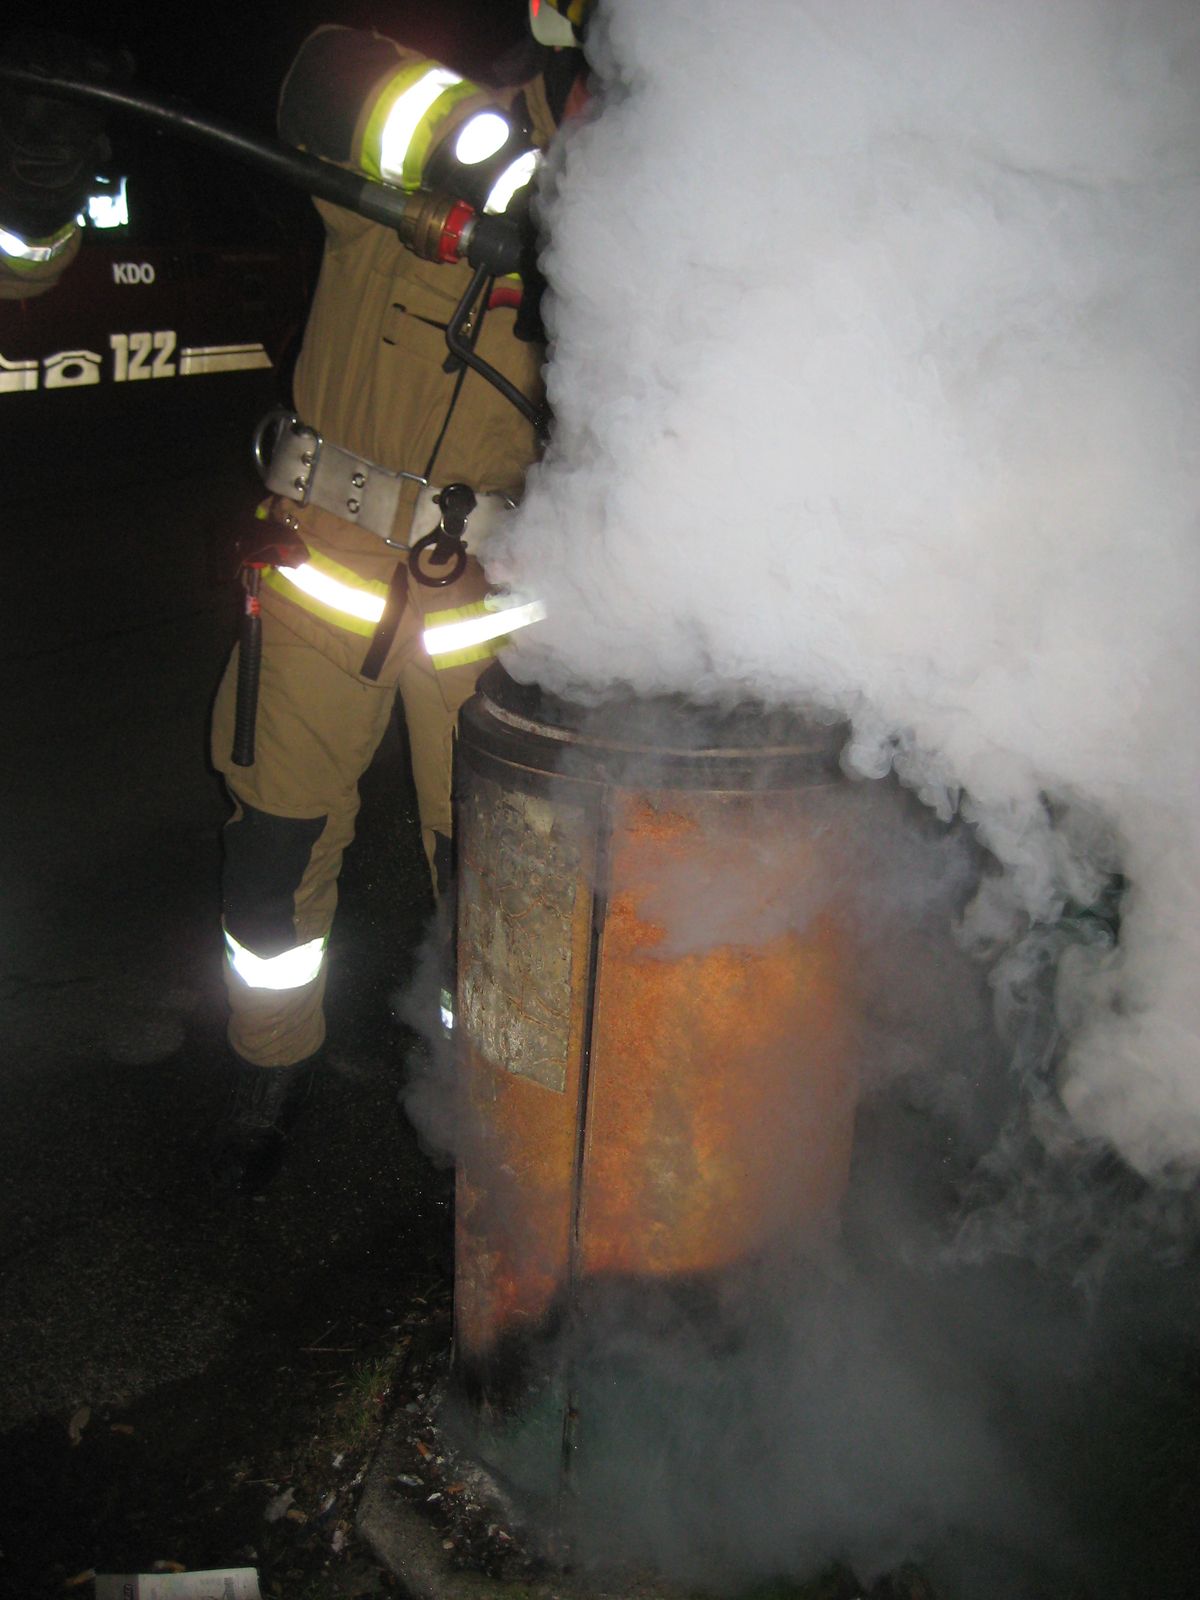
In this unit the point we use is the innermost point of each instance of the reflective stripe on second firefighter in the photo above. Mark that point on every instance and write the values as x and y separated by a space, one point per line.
291 969
475 632
34 252
332 592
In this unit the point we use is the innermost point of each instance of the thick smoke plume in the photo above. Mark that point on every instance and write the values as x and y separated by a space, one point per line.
874 362
875 368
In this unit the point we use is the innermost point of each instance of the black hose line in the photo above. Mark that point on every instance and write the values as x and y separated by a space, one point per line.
377 201
460 346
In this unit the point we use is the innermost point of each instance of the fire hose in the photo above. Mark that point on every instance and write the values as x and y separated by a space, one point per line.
434 227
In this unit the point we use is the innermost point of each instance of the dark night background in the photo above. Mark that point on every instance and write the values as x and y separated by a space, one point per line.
230 58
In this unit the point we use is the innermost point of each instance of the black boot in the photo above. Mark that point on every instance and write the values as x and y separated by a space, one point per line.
249 1140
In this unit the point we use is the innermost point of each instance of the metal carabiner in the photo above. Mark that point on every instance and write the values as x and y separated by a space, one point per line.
446 543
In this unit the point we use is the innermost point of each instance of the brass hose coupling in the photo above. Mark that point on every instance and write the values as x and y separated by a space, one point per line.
435 226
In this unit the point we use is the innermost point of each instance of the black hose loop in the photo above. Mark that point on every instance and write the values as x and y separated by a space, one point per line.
460 346
444 552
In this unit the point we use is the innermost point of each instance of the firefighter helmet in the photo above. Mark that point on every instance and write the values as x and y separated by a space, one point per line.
558 23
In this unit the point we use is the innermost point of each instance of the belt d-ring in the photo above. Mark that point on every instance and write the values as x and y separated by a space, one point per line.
270 426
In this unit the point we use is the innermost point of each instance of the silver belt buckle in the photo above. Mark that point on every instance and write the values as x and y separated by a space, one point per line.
295 461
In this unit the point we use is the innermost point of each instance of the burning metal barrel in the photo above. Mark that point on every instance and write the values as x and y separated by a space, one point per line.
655 1009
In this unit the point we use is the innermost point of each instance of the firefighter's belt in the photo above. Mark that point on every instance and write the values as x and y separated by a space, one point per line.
296 462
305 467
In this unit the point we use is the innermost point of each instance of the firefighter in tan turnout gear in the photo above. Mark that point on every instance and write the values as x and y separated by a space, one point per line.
386 420
398 457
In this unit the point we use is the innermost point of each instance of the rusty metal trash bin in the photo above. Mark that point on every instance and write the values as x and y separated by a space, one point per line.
654 1023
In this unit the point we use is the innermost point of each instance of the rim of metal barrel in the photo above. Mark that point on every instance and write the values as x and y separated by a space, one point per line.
663 727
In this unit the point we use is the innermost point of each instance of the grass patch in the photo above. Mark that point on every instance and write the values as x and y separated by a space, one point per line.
361 1406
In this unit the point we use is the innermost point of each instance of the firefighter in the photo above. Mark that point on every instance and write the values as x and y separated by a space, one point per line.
384 420
50 152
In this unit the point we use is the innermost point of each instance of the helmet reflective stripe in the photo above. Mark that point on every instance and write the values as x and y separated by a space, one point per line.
291 969
34 252
401 126
458 633
515 176
333 592
480 137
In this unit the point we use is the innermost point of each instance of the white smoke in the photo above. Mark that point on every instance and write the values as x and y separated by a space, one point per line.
875 369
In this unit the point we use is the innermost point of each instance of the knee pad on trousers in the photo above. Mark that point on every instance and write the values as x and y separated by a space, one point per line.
266 858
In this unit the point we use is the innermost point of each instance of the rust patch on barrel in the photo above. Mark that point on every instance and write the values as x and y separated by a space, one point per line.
723 1087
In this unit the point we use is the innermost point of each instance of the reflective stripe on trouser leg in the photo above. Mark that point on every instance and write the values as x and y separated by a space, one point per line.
274 972
275 1027
290 969
318 728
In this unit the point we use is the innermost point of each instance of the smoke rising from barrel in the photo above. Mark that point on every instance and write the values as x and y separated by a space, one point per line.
874 359
874 364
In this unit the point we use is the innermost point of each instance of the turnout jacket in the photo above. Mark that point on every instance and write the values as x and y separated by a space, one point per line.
374 376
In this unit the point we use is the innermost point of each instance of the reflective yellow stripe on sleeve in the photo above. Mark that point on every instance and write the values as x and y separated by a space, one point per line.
404 120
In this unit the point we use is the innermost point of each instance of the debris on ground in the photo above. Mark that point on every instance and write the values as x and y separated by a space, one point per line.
284 1505
481 1531
478 1527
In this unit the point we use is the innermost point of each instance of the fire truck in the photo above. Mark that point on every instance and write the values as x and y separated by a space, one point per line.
191 286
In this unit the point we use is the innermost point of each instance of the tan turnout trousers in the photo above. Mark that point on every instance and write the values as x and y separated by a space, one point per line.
318 730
